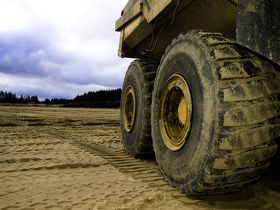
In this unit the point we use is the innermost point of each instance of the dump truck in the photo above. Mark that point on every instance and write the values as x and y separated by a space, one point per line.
203 94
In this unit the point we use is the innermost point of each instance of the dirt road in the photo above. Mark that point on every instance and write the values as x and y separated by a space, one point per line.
59 158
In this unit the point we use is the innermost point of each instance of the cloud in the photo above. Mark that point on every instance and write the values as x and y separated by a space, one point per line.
59 48
44 87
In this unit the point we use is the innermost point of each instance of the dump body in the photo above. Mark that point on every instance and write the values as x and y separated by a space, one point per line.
148 26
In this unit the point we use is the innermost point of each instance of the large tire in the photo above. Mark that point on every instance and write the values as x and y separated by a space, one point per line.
234 115
137 97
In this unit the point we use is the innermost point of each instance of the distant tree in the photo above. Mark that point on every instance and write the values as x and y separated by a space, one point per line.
34 99
2 95
20 100
47 101
27 99
7 97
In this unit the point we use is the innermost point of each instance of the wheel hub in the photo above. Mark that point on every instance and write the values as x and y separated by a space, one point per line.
175 112
129 108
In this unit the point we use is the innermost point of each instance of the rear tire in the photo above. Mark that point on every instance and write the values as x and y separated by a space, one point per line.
136 108
234 116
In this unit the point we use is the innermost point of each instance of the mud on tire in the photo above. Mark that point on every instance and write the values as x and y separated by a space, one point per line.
235 116
139 80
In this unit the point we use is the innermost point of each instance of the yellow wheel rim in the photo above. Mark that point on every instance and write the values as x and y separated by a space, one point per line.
129 108
175 112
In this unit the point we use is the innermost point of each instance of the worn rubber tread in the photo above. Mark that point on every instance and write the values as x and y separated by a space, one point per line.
245 68
249 138
226 52
253 114
245 158
251 90
204 188
233 176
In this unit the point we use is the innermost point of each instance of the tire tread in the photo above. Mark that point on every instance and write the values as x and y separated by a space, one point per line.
147 68
250 95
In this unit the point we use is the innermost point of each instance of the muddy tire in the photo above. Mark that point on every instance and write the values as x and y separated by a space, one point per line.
136 108
233 115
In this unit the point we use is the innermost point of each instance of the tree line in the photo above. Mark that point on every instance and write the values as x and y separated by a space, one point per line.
8 97
98 99
94 99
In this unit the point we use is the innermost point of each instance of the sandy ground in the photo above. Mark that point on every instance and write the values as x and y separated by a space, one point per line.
55 158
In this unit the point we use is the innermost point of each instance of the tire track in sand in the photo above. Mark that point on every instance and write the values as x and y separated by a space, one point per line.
144 170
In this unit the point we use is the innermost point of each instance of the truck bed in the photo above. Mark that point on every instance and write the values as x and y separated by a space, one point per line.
148 26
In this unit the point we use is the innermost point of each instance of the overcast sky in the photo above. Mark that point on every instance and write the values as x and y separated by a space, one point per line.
59 48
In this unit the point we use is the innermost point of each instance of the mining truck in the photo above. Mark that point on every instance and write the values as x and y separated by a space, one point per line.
203 95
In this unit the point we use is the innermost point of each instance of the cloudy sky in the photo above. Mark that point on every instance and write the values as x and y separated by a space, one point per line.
59 48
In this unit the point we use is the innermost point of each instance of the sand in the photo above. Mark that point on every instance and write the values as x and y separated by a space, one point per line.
56 158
